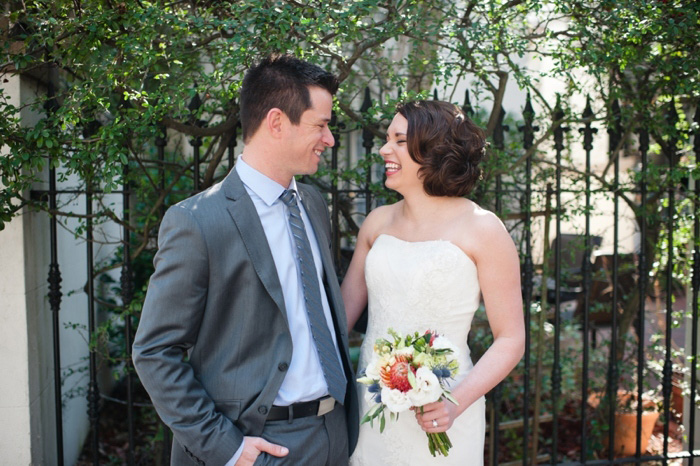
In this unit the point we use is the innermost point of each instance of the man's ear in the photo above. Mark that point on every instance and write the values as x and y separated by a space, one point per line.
275 120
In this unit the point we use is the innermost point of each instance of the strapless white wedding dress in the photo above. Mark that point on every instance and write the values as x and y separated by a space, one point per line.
417 286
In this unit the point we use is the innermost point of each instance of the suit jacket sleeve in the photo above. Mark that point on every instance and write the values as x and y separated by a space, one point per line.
169 326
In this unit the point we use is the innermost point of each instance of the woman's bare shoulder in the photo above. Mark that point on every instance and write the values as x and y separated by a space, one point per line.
484 221
481 230
377 221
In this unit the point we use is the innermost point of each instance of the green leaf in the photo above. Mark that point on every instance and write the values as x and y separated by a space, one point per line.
447 394
411 379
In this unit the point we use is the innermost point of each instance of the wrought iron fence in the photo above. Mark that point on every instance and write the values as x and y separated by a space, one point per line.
535 415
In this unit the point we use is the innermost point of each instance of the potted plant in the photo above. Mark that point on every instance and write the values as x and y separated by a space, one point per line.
626 399
626 421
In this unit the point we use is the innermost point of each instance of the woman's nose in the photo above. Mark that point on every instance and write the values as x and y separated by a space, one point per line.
384 150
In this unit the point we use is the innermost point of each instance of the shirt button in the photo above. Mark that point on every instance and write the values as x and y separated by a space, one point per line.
262 409
283 366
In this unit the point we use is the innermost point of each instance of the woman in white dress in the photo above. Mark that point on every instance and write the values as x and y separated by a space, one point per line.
425 263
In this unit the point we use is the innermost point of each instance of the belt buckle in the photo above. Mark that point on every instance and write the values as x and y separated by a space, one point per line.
325 406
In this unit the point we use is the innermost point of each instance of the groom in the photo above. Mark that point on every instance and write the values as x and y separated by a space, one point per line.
242 343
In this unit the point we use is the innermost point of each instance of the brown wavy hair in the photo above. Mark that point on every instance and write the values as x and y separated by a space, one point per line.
447 145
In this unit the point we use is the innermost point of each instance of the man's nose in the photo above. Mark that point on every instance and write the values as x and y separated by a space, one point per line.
328 138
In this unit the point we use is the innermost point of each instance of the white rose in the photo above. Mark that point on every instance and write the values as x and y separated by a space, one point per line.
395 400
372 370
407 351
442 342
427 389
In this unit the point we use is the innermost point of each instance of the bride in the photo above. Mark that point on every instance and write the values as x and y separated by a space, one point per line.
425 263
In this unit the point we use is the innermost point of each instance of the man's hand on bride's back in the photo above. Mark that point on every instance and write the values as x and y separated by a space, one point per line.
254 446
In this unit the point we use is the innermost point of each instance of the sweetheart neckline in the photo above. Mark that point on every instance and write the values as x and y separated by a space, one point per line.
466 256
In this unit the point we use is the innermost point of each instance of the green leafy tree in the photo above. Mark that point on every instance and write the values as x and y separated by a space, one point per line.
122 74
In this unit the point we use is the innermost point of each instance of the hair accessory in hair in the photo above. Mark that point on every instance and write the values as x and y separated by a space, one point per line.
483 149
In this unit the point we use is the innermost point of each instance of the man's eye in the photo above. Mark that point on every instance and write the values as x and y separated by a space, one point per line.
400 141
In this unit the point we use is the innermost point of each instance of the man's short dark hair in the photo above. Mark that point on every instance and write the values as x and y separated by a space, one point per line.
447 145
280 81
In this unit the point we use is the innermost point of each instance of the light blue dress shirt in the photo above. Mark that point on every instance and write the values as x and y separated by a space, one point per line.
304 380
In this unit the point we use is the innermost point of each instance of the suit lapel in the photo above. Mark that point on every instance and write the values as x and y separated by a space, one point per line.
248 223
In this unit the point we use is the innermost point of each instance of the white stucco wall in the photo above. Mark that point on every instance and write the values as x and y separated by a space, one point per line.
28 433
15 435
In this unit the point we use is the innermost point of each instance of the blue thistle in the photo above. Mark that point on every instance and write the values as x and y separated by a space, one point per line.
442 372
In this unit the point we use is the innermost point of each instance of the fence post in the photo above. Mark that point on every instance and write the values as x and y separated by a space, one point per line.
695 305
643 273
588 131
335 219
541 325
499 143
127 285
55 294
467 107
668 364
93 394
528 131
232 147
368 144
196 142
161 142
559 131
615 135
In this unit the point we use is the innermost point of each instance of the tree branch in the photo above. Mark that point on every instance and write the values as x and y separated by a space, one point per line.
497 102
192 130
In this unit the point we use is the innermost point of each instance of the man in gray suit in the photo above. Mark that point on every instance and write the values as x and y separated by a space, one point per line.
242 343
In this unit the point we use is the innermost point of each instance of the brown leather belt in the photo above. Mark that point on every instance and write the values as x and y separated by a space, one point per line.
304 409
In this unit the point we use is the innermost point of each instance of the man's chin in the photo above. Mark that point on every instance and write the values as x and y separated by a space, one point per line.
311 170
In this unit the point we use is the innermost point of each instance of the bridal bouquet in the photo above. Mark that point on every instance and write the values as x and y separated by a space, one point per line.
409 372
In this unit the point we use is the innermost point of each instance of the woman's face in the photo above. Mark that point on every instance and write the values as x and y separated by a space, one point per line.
401 169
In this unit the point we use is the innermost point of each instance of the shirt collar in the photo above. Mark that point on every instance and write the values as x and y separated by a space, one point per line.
267 189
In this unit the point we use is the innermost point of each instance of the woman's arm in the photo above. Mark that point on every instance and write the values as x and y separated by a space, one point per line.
499 277
354 288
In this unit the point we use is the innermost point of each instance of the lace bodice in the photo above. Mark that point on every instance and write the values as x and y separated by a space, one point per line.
416 286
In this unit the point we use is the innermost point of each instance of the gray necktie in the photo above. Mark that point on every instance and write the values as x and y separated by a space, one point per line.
312 297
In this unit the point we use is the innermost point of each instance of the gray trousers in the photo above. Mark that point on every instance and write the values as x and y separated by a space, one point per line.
312 440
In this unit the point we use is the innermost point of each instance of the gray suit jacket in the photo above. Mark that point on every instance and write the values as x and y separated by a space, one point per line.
213 344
